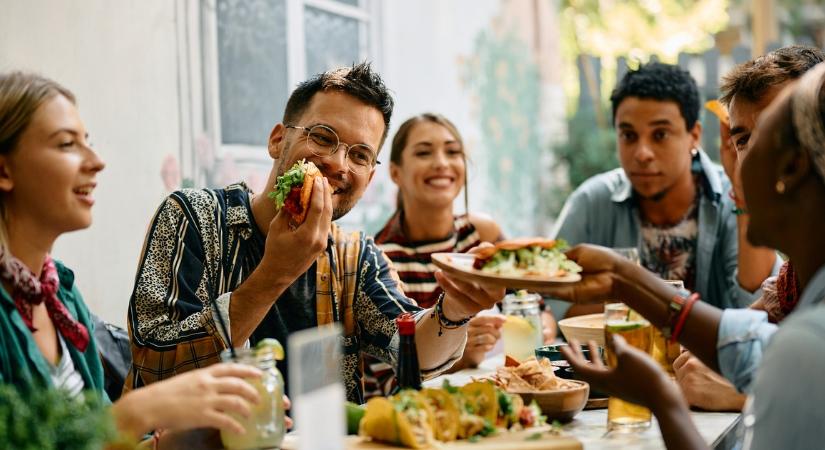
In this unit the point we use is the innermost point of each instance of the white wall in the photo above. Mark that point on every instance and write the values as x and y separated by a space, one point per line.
118 57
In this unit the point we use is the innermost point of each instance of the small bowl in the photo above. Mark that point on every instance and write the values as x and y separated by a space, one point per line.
562 404
554 354
584 328
568 373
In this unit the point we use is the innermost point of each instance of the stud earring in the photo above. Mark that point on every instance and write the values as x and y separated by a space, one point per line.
694 151
780 187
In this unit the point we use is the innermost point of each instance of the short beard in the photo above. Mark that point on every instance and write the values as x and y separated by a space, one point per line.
341 210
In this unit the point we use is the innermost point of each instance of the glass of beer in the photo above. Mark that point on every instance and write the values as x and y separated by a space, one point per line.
620 319
664 351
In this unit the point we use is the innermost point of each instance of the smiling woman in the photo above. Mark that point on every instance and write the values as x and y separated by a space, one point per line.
428 163
47 176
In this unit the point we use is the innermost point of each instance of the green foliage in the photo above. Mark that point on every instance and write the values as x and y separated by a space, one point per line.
43 419
589 150
504 79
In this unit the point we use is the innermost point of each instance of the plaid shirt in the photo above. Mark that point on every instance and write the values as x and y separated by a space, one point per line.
202 244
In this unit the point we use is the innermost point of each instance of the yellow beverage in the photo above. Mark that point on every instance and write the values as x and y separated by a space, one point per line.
265 426
521 336
622 415
664 351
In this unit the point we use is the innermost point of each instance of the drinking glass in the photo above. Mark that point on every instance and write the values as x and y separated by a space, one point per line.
619 319
265 427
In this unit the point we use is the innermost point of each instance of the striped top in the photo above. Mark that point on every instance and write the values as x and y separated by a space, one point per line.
412 259
64 375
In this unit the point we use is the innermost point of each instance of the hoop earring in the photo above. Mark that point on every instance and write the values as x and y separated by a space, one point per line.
780 187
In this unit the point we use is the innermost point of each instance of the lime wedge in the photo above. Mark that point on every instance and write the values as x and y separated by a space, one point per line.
270 345
354 415
623 327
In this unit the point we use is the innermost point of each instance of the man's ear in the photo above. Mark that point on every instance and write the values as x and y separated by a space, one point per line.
276 141
793 168
6 182
696 134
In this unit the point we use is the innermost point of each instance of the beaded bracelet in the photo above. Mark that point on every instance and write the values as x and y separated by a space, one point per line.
443 322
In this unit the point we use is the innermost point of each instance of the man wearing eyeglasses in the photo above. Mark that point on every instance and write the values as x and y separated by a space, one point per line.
227 254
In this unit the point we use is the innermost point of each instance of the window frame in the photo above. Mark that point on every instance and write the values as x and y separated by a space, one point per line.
199 73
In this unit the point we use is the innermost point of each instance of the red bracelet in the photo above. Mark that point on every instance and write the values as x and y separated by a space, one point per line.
156 439
680 324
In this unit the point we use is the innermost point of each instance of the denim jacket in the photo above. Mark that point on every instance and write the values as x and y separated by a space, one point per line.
602 211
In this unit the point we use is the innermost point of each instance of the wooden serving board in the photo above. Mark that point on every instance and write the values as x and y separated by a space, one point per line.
503 441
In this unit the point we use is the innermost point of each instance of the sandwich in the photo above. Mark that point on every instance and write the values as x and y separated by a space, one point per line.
717 108
535 257
293 190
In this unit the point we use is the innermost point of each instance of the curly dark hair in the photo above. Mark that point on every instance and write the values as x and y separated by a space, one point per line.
663 82
753 78
359 81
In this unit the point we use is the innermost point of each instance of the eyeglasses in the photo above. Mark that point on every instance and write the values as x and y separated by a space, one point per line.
323 142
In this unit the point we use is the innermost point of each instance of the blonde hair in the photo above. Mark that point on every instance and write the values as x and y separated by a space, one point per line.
20 95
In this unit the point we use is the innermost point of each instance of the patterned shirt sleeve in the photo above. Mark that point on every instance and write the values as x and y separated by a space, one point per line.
379 301
171 330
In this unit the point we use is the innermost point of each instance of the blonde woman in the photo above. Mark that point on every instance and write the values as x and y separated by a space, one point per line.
47 182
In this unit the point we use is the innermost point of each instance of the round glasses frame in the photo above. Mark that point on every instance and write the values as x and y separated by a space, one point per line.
323 141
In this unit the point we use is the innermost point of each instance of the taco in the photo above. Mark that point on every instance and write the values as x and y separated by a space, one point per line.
402 419
717 108
480 399
446 413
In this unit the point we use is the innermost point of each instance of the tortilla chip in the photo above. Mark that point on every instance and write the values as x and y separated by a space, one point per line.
717 108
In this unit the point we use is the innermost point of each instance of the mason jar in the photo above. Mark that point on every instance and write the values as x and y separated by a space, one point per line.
522 329
265 426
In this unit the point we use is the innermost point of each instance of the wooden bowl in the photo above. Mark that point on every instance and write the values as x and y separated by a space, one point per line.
561 404
584 328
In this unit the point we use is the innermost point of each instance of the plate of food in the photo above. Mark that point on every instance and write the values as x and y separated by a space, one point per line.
525 263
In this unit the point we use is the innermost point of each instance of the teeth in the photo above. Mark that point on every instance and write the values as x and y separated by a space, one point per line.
440 182
83 191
